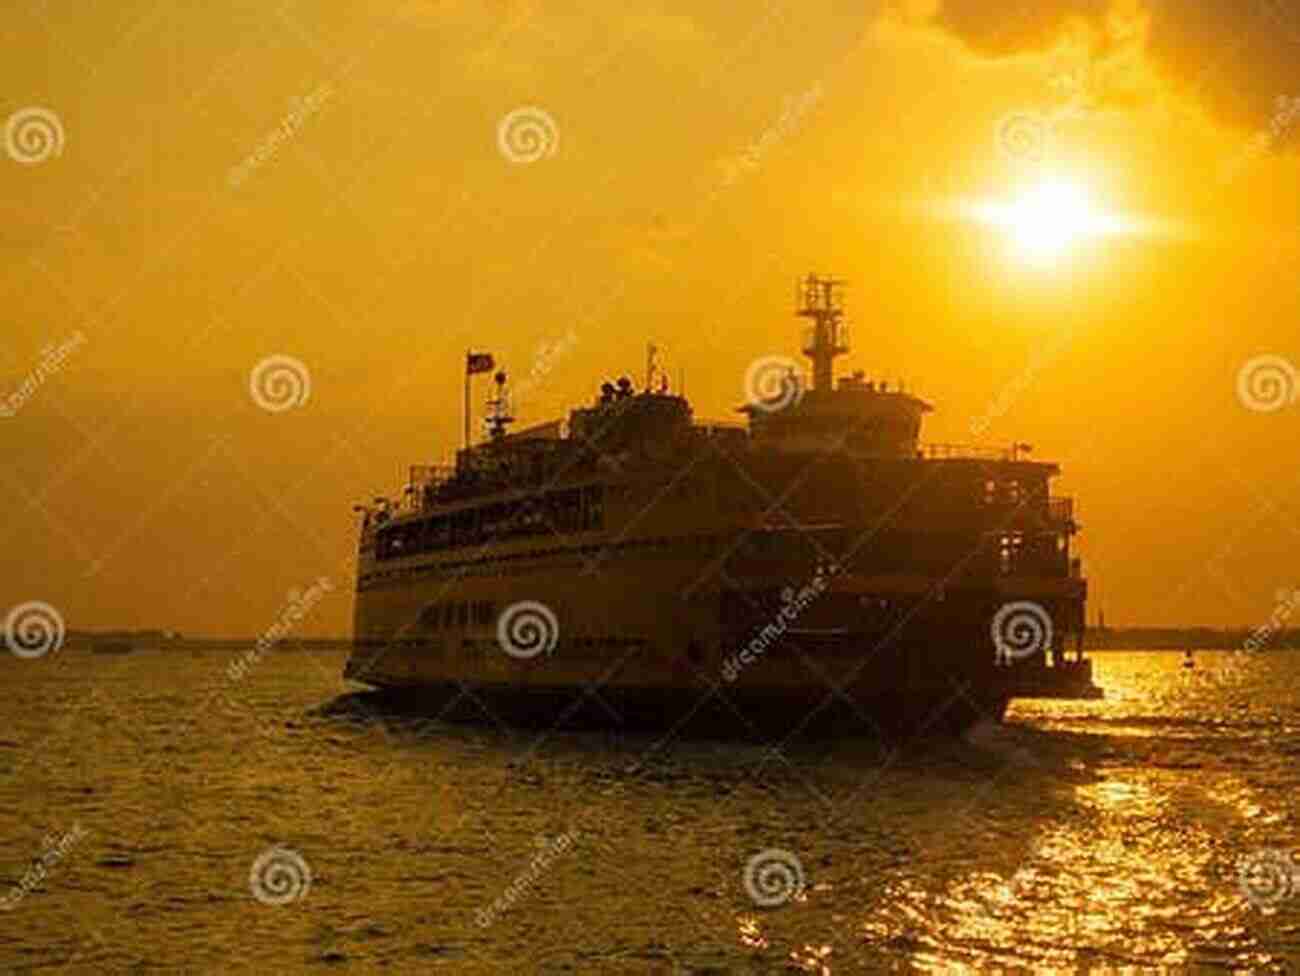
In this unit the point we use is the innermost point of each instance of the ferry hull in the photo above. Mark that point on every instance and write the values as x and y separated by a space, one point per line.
852 655
731 714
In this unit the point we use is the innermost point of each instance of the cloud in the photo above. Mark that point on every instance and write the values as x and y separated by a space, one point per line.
1237 58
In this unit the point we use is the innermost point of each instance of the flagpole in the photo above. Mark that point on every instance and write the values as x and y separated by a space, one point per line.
467 355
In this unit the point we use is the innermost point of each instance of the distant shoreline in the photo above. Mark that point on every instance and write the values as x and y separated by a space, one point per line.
1110 639
1195 638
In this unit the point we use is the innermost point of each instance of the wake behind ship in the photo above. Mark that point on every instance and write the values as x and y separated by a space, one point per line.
816 565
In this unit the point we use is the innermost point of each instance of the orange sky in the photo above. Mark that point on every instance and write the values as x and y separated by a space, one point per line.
326 183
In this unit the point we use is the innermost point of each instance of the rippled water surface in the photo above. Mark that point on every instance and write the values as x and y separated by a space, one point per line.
1081 837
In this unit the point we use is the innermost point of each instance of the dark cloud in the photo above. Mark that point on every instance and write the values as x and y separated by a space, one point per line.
1015 26
1239 58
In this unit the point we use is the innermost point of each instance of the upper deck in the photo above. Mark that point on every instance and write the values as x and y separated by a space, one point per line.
846 453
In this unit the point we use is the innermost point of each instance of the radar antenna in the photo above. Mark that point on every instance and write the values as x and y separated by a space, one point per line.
822 300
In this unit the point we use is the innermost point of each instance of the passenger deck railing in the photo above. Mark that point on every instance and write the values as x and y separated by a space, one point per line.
963 451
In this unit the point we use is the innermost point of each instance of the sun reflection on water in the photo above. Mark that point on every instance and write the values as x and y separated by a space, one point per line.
1133 867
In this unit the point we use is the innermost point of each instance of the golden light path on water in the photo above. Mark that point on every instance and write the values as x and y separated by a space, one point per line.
1080 837
1133 866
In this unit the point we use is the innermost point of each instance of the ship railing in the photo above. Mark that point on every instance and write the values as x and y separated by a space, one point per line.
422 484
721 428
966 451
1060 509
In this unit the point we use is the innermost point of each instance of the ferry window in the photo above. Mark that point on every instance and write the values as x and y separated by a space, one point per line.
563 508
494 520
439 534
990 492
593 507
529 518
463 527
1013 492
1010 549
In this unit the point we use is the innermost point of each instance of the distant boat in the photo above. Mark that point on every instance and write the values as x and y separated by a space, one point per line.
115 646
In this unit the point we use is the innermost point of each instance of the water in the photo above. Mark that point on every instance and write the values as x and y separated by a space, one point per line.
1082 837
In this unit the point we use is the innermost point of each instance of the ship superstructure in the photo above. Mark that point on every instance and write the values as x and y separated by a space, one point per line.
817 554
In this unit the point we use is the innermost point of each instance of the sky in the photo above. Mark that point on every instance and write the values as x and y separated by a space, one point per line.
368 189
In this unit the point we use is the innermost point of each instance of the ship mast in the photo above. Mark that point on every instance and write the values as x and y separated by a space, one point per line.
499 417
822 300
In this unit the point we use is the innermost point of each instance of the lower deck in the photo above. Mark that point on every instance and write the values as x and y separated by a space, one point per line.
895 648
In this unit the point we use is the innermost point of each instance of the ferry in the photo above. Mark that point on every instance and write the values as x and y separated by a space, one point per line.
814 565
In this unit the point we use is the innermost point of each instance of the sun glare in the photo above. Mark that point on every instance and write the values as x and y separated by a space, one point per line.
1047 219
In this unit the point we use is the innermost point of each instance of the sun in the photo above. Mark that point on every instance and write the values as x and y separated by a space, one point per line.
1046 220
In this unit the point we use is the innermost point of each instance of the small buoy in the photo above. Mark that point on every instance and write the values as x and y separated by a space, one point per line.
1188 662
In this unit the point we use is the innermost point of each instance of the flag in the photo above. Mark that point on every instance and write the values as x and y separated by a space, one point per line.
478 362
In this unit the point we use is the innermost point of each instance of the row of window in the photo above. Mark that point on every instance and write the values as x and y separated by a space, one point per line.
441 616
572 647
565 511
1012 492
596 647
528 561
